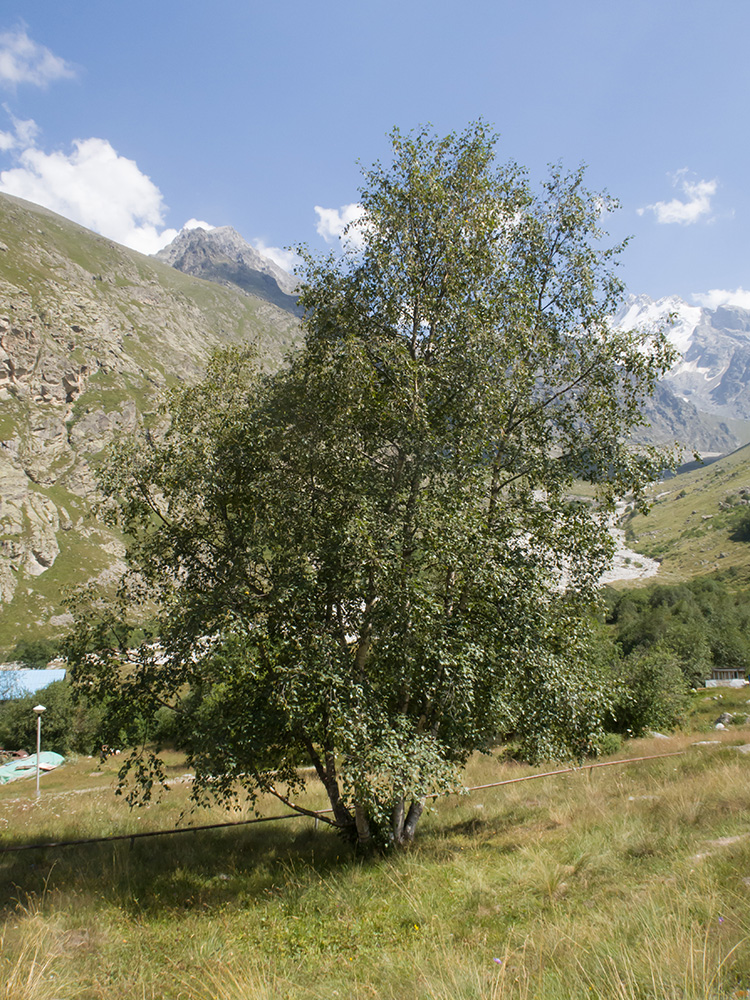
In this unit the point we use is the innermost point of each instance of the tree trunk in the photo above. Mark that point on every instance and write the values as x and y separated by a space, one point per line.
363 827
410 826
327 774
397 819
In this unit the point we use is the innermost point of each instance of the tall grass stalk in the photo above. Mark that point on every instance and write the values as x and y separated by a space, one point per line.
29 953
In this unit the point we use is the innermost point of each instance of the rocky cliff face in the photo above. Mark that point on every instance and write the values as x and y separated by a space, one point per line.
673 418
90 334
715 373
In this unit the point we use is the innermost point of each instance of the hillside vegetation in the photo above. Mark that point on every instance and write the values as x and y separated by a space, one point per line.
695 525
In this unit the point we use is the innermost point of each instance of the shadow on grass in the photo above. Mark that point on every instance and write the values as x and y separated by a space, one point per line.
205 869
237 866
480 825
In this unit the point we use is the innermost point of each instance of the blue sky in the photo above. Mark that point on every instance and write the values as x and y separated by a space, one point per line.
133 118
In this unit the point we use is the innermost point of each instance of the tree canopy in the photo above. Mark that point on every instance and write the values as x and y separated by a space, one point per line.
702 624
370 561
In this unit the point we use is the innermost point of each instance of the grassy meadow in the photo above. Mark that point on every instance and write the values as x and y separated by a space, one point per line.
624 882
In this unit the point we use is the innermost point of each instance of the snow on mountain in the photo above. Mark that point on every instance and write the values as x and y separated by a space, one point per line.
713 372
642 311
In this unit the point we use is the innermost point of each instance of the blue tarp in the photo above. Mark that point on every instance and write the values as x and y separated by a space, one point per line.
26 766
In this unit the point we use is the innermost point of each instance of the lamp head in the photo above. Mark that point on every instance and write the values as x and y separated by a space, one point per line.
39 709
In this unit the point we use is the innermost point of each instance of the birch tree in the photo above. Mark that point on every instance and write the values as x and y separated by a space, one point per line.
372 561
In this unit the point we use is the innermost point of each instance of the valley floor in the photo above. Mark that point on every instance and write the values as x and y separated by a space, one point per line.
627 564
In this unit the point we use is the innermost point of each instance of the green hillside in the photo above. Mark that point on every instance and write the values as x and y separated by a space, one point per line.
694 525
622 882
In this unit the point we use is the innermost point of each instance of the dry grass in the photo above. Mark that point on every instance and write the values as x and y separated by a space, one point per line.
626 882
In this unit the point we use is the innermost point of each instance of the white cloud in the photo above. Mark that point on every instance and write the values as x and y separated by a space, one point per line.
721 297
24 133
197 224
96 187
7 141
697 205
100 189
23 60
154 244
341 223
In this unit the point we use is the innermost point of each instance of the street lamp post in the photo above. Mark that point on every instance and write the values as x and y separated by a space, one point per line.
38 709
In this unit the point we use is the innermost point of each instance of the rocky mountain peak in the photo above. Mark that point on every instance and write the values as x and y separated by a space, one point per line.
731 318
642 311
713 372
223 256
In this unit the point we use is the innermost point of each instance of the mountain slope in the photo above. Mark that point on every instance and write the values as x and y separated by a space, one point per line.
90 334
672 418
694 524
713 372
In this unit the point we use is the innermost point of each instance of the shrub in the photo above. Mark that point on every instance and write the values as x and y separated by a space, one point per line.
35 652
652 693
702 623
608 744
741 526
